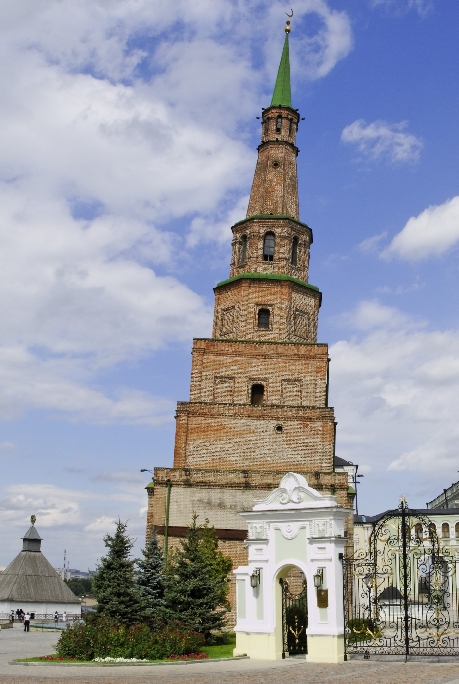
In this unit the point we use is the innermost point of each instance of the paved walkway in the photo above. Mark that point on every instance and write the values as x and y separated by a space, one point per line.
14 643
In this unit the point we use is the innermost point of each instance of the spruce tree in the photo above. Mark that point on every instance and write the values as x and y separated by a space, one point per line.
150 578
118 596
196 581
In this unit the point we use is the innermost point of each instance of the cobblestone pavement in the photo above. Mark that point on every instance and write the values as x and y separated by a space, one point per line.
15 644
346 673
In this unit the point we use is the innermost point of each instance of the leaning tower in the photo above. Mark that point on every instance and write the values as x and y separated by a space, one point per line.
258 404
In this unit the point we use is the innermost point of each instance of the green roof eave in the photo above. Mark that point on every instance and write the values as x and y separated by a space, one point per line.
272 216
351 490
150 485
282 95
267 276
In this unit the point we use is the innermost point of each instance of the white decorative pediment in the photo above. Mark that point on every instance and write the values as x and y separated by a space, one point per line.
294 492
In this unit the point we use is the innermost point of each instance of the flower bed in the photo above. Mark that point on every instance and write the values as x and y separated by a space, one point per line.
102 639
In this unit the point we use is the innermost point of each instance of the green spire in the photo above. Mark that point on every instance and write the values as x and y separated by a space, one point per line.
282 94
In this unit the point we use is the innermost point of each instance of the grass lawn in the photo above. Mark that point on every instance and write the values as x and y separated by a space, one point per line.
222 650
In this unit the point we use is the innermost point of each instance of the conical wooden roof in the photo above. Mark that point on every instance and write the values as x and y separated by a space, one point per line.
30 577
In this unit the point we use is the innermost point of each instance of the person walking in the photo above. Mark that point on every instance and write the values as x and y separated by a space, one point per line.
12 617
56 617
27 622
64 617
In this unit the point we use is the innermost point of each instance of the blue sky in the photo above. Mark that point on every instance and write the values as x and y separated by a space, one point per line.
128 143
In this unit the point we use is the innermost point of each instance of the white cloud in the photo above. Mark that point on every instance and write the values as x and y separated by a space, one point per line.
431 233
7 446
102 526
382 139
71 519
423 7
371 244
117 117
396 389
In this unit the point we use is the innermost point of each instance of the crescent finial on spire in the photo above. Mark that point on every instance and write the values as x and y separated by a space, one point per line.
287 25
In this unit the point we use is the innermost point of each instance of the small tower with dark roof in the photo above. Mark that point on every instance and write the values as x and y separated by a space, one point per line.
30 582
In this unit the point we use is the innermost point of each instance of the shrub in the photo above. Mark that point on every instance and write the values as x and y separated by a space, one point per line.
102 639
362 629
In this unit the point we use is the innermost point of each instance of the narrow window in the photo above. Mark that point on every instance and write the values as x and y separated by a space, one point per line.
445 531
278 124
294 251
290 126
243 252
268 247
263 318
418 530
456 529
257 394
265 126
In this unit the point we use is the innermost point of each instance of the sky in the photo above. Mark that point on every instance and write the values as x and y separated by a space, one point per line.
128 138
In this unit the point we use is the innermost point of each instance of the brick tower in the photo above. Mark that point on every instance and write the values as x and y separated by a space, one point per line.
259 387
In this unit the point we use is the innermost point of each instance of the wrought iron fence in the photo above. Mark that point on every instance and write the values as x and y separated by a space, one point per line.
401 594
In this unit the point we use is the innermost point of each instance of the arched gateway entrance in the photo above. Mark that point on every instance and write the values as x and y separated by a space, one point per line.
294 613
290 595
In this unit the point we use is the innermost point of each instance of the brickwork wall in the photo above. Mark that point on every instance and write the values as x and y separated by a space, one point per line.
285 230
231 367
294 311
228 436
275 183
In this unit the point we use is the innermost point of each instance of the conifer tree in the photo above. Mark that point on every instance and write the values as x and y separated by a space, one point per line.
149 576
196 581
118 596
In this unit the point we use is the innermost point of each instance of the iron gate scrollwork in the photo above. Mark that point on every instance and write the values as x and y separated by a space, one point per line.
294 619
401 594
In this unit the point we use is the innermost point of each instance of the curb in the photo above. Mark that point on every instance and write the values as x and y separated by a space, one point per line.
163 662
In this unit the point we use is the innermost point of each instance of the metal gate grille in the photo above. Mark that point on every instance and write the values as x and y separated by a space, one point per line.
401 594
294 620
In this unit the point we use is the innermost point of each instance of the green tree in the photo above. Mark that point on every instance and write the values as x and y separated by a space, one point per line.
117 593
149 576
196 581
79 585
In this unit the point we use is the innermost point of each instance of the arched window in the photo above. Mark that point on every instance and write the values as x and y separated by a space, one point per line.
278 124
243 250
456 530
257 394
294 251
263 318
445 531
432 530
418 530
268 247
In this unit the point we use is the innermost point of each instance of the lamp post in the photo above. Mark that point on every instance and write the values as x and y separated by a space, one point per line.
145 470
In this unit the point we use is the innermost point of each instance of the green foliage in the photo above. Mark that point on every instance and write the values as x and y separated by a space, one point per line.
102 638
196 581
362 629
117 593
79 586
149 576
